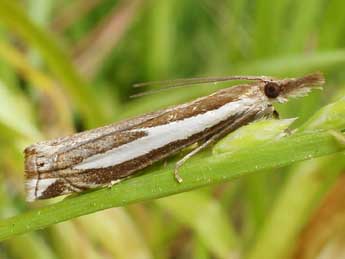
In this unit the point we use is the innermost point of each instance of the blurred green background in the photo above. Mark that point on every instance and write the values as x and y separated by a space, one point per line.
67 66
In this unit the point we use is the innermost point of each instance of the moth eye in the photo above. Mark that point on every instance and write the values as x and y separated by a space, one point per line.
272 90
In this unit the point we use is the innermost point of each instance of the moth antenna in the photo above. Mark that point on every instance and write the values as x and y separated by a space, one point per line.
179 83
199 80
156 91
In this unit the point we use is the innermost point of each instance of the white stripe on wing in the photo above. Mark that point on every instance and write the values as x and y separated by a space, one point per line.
162 135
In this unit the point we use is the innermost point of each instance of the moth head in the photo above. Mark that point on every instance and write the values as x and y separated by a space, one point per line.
282 90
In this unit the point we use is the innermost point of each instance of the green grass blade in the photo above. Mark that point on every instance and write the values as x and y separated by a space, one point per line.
294 64
44 84
112 230
294 205
332 28
197 173
207 218
302 191
303 22
329 117
75 246
268 33
17 21
16 114
35 247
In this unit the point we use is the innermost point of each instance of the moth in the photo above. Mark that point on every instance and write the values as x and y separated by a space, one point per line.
102 156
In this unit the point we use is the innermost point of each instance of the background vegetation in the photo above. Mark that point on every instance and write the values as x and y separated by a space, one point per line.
67 66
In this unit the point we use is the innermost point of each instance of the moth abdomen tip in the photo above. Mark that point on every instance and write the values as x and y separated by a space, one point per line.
30 189
30 165
37 189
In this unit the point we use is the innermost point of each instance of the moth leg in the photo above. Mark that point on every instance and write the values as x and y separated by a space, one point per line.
189 155
109 185
250 116
275 114
205 144
113 182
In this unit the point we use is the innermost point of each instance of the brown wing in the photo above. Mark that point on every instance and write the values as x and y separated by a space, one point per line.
64 152
50 155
